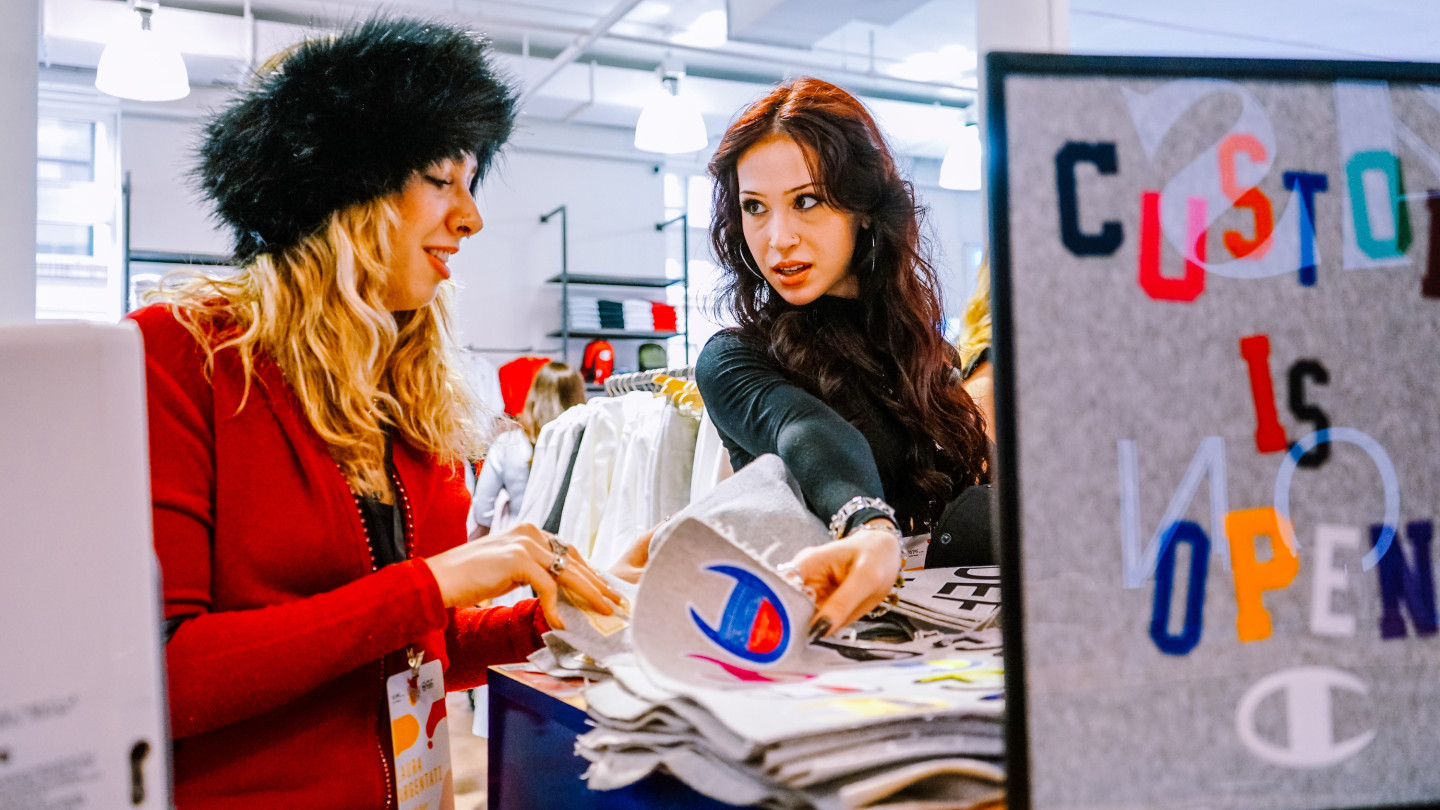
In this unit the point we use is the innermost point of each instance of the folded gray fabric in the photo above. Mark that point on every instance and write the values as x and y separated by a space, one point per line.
759 508
962 598
593 634
944 784
711 615
560 660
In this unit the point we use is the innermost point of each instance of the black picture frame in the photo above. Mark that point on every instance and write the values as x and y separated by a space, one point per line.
1000 66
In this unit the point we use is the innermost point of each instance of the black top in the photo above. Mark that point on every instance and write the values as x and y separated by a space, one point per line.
384 522
975 362
757 410
383 529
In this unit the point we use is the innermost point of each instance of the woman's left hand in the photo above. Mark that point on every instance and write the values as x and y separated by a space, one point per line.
850 576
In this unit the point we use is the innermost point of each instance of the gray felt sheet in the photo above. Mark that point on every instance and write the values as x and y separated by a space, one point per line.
1119 393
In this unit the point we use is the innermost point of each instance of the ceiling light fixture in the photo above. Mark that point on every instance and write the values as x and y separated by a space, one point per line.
141 65
671 123
961 169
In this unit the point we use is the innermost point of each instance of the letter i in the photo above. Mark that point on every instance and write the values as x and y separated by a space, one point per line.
1430 285
1269 433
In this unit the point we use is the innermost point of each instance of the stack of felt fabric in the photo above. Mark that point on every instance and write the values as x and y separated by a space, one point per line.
713 680
639 315
967 598
664 317
612 314
582 312
802 744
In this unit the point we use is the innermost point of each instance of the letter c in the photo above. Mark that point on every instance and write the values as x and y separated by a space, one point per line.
1103 157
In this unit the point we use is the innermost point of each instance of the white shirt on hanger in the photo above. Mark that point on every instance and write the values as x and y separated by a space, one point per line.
712 460
548 464
652 475
628 503
594 467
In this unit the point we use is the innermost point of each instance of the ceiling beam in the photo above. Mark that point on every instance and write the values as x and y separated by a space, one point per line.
579 46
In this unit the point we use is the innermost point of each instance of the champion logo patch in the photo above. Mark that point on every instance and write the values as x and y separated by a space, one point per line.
754 626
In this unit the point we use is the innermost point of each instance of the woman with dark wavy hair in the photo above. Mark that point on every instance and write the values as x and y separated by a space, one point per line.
838 364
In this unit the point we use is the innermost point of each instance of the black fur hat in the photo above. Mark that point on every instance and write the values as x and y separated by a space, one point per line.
349 119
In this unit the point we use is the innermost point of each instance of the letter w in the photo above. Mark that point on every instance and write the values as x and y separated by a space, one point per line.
1138 565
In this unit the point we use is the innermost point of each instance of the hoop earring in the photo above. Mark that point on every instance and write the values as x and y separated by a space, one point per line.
745 260
874 248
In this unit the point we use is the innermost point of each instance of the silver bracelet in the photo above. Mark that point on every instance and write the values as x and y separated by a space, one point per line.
855 504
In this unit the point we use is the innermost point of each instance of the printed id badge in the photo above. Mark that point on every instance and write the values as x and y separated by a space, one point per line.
420 736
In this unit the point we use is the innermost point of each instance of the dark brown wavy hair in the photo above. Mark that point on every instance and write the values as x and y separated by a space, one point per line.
898 356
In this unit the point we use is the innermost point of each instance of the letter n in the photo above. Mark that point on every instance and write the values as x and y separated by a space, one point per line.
1138 565
1401 584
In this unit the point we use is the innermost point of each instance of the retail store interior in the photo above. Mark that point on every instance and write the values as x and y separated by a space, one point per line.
584 202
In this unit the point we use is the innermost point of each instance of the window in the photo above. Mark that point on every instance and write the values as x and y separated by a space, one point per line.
78 263
66 150
690 194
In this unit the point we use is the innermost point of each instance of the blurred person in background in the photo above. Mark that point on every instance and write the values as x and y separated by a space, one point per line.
506 470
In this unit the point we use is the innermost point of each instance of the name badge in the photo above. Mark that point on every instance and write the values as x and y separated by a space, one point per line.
420 736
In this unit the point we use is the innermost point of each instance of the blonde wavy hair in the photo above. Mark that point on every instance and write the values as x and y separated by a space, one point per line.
975 319
317 309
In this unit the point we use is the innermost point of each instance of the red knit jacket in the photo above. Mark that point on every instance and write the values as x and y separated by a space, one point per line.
277 675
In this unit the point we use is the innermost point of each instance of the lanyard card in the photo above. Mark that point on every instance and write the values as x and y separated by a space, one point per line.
421 739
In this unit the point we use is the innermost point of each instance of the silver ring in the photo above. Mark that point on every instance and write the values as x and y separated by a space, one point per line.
557 545
558 565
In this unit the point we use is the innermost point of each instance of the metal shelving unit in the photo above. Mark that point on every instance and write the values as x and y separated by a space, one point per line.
565 278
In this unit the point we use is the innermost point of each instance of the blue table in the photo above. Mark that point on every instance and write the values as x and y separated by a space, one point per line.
534 720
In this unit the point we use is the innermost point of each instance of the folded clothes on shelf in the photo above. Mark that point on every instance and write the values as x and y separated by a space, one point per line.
639 315
612 314
582 312
664 317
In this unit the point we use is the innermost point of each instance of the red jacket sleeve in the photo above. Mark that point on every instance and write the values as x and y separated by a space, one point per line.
478 638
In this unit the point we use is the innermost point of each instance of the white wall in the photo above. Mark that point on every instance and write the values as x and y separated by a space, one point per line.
612 206
18 71
613 198
166 213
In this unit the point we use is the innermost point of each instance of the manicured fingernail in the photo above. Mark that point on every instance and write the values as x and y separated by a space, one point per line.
819 629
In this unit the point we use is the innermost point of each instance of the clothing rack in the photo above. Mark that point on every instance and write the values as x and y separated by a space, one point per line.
645 380
515 350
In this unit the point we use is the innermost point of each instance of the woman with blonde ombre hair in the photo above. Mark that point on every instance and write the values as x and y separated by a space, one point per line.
974 347
308 428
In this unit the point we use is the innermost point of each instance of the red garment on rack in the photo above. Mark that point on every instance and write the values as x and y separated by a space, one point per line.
665 317
515 379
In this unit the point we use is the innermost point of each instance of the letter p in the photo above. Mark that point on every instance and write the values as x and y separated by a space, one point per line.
1253 577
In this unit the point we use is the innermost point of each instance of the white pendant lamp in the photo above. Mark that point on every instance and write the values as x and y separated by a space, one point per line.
141 65
671 123
961 167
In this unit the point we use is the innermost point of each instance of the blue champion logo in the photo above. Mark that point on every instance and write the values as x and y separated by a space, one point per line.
754 625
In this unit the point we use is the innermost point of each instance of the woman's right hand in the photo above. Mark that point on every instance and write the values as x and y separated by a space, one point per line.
473 572
632 565
849 576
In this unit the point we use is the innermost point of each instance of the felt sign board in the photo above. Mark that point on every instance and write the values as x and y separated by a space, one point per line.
1217 315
